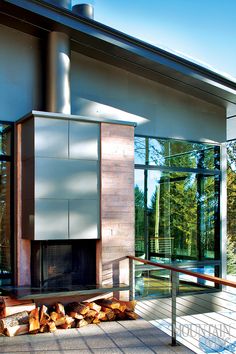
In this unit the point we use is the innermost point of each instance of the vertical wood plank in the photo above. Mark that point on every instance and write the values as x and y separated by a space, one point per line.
117 201
22 247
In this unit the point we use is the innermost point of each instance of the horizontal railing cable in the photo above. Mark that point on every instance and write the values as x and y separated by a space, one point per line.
207 314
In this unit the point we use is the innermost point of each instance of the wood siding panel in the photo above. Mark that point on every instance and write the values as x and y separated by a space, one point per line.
117 202
23 250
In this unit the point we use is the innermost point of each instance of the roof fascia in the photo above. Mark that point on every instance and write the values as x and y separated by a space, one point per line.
116 48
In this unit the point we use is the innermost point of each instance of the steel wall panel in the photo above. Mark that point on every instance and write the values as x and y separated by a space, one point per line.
65 179
51 138
83 140
83 219
51 219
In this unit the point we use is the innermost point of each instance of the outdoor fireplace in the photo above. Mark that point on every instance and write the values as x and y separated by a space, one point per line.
63 264
75 194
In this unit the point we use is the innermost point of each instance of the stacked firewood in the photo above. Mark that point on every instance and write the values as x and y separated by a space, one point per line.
73 315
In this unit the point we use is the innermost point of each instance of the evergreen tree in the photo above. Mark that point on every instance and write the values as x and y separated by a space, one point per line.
231 208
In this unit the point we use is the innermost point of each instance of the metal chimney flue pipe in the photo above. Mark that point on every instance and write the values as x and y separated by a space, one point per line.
84 10
58 73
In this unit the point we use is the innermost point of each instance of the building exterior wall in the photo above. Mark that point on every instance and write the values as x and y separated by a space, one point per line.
104 91
101 90
20 72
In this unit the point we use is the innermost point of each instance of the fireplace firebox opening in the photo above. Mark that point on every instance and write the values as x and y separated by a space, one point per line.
63 264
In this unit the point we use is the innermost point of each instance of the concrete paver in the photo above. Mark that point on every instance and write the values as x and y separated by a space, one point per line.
129 337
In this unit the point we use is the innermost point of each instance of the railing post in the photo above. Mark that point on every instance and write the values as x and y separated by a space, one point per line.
131 279
174 289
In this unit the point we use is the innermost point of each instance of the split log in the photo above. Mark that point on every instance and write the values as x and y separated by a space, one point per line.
59 308
55 316
81 323
65 326
51 326
43 328
10 306
2 307
93 306
69 320
16 309
110 303
96 320
102 316
17 330
89 320
34 324
69 323
91 313
110 316
60 321
78 307
130 305
120 315
131 315
75 315
43 316
14 320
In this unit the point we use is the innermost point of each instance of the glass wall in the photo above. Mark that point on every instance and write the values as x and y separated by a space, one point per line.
6 225
177 189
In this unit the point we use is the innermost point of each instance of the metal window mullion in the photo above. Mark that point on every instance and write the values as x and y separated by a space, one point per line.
177 169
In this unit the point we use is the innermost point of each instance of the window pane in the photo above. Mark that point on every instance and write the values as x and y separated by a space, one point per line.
140 150
139 213
182 215
5 231
175 153
177 214
5 139
173 215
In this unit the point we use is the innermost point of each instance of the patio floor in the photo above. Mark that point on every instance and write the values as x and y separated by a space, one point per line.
205 323
108 337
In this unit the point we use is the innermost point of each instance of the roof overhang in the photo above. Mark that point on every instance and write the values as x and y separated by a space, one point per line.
116 48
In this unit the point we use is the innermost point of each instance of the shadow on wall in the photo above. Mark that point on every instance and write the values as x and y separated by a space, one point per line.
94 109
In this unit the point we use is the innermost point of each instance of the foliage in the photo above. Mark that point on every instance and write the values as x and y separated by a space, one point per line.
231 207
231 257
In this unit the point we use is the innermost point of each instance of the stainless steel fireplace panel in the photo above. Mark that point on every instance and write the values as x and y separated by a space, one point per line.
60 176
83 140
51 219
66 179
83 219
51 138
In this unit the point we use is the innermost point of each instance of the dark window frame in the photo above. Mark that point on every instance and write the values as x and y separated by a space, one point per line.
10 159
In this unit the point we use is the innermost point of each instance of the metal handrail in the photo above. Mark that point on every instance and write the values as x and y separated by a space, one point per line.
174 284
211 278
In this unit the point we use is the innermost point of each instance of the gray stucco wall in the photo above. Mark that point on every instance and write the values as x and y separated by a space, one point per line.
101 90
20 73
231 122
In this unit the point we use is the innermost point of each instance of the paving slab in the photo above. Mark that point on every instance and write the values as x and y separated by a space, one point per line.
129 337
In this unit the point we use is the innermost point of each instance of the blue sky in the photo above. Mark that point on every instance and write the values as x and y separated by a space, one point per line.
201 29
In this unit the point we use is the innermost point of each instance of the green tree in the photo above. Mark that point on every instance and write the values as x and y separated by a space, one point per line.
231 208
139 220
